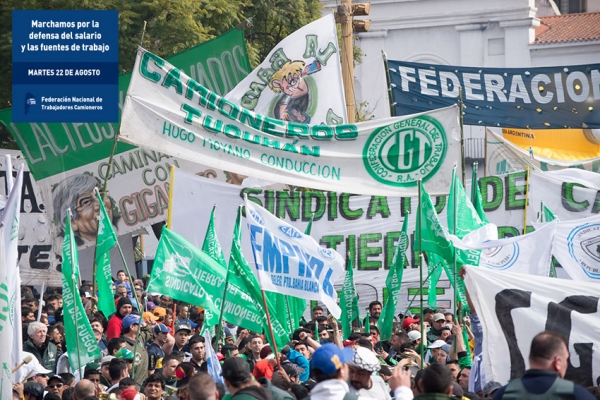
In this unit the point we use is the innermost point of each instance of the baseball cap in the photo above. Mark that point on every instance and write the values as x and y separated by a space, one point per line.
150 306
437 344
148 316
438 316
92 366
329 358
58 377
365 359
106 360
265 351
189 322
183 327
159 312
235 369
408 321
158 328
414 335
491 387
124 353
129 320
34 388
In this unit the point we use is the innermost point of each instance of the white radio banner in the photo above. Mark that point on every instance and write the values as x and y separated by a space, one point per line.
513 308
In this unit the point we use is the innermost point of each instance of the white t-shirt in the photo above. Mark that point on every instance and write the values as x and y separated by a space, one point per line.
379 389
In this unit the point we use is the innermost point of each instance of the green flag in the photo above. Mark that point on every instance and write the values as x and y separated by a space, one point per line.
476 199
462 220
106 240
430 235
368 323
393 283
348 301
185 273
81 343
547 214
211 245
240 269
434 268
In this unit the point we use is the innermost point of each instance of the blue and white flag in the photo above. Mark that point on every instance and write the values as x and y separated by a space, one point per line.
289 262
214 367
525 254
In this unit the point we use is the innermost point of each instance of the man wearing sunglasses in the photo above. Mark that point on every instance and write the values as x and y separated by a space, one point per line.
56 385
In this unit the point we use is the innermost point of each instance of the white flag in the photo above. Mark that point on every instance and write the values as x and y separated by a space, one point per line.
526 254
212 362
300 80
513 308
10 282
290 262
577 248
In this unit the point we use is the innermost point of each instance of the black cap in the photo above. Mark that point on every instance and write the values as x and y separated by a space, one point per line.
35 389
235 369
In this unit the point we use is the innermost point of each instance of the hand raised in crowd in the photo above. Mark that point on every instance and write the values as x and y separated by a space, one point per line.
383 353
400 376
19 388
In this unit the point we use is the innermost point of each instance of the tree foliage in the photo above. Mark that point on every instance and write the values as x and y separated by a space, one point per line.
171 26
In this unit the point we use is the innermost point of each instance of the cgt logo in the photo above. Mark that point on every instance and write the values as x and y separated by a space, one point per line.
409 150
290 232
500 258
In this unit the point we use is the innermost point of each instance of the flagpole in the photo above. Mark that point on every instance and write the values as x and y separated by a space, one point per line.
454 247
74 291
526 199
169 210
462 134
218 333
419 222
274 344
415 295
39 316
389 83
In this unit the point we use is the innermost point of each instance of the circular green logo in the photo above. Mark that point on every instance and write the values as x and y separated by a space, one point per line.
406 151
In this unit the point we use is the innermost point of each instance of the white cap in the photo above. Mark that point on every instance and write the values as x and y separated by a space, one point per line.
437 344
365 359
414 335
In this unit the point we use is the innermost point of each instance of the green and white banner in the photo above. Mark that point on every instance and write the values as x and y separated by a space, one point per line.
166 110
68 160
300 80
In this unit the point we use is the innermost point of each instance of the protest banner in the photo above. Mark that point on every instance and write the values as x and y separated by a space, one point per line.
68 160
513 308
577 247
287 261
300 80
503 156
167 111
548 97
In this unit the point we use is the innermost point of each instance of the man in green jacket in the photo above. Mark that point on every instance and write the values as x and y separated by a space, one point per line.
40 346
131 324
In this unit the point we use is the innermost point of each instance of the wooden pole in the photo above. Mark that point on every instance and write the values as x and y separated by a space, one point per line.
526 199
344 14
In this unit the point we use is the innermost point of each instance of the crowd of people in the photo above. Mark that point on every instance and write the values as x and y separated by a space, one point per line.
153 348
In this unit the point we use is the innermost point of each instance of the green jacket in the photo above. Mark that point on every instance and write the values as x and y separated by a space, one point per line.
141 358
47 355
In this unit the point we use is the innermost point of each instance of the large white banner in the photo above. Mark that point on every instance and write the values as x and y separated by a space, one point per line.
526 254
289 262
577 247
300 80
166 110
513 308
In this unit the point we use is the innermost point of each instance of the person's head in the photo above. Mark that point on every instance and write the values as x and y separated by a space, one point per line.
170 363
84 389
330 362
454 369
375 332
439 320
441 354
361 367
130 324
114 345
183 311
168 321
202 387
398 339
428 314
33 391
121 275
437 379
77 193
93 375
121 290
56 385
37 332
97 325
317 311
54 334
364 342
375 308
302 348
182 334
256 344
198 348
160 334
155 387
463 378
445 333
449 318
68 379
230 350
411 324
52 300
549 351
42 378
124 307
117 369
323 334
236 374
490 388
27 314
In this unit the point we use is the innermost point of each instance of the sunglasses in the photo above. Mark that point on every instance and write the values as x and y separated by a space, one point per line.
55 385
